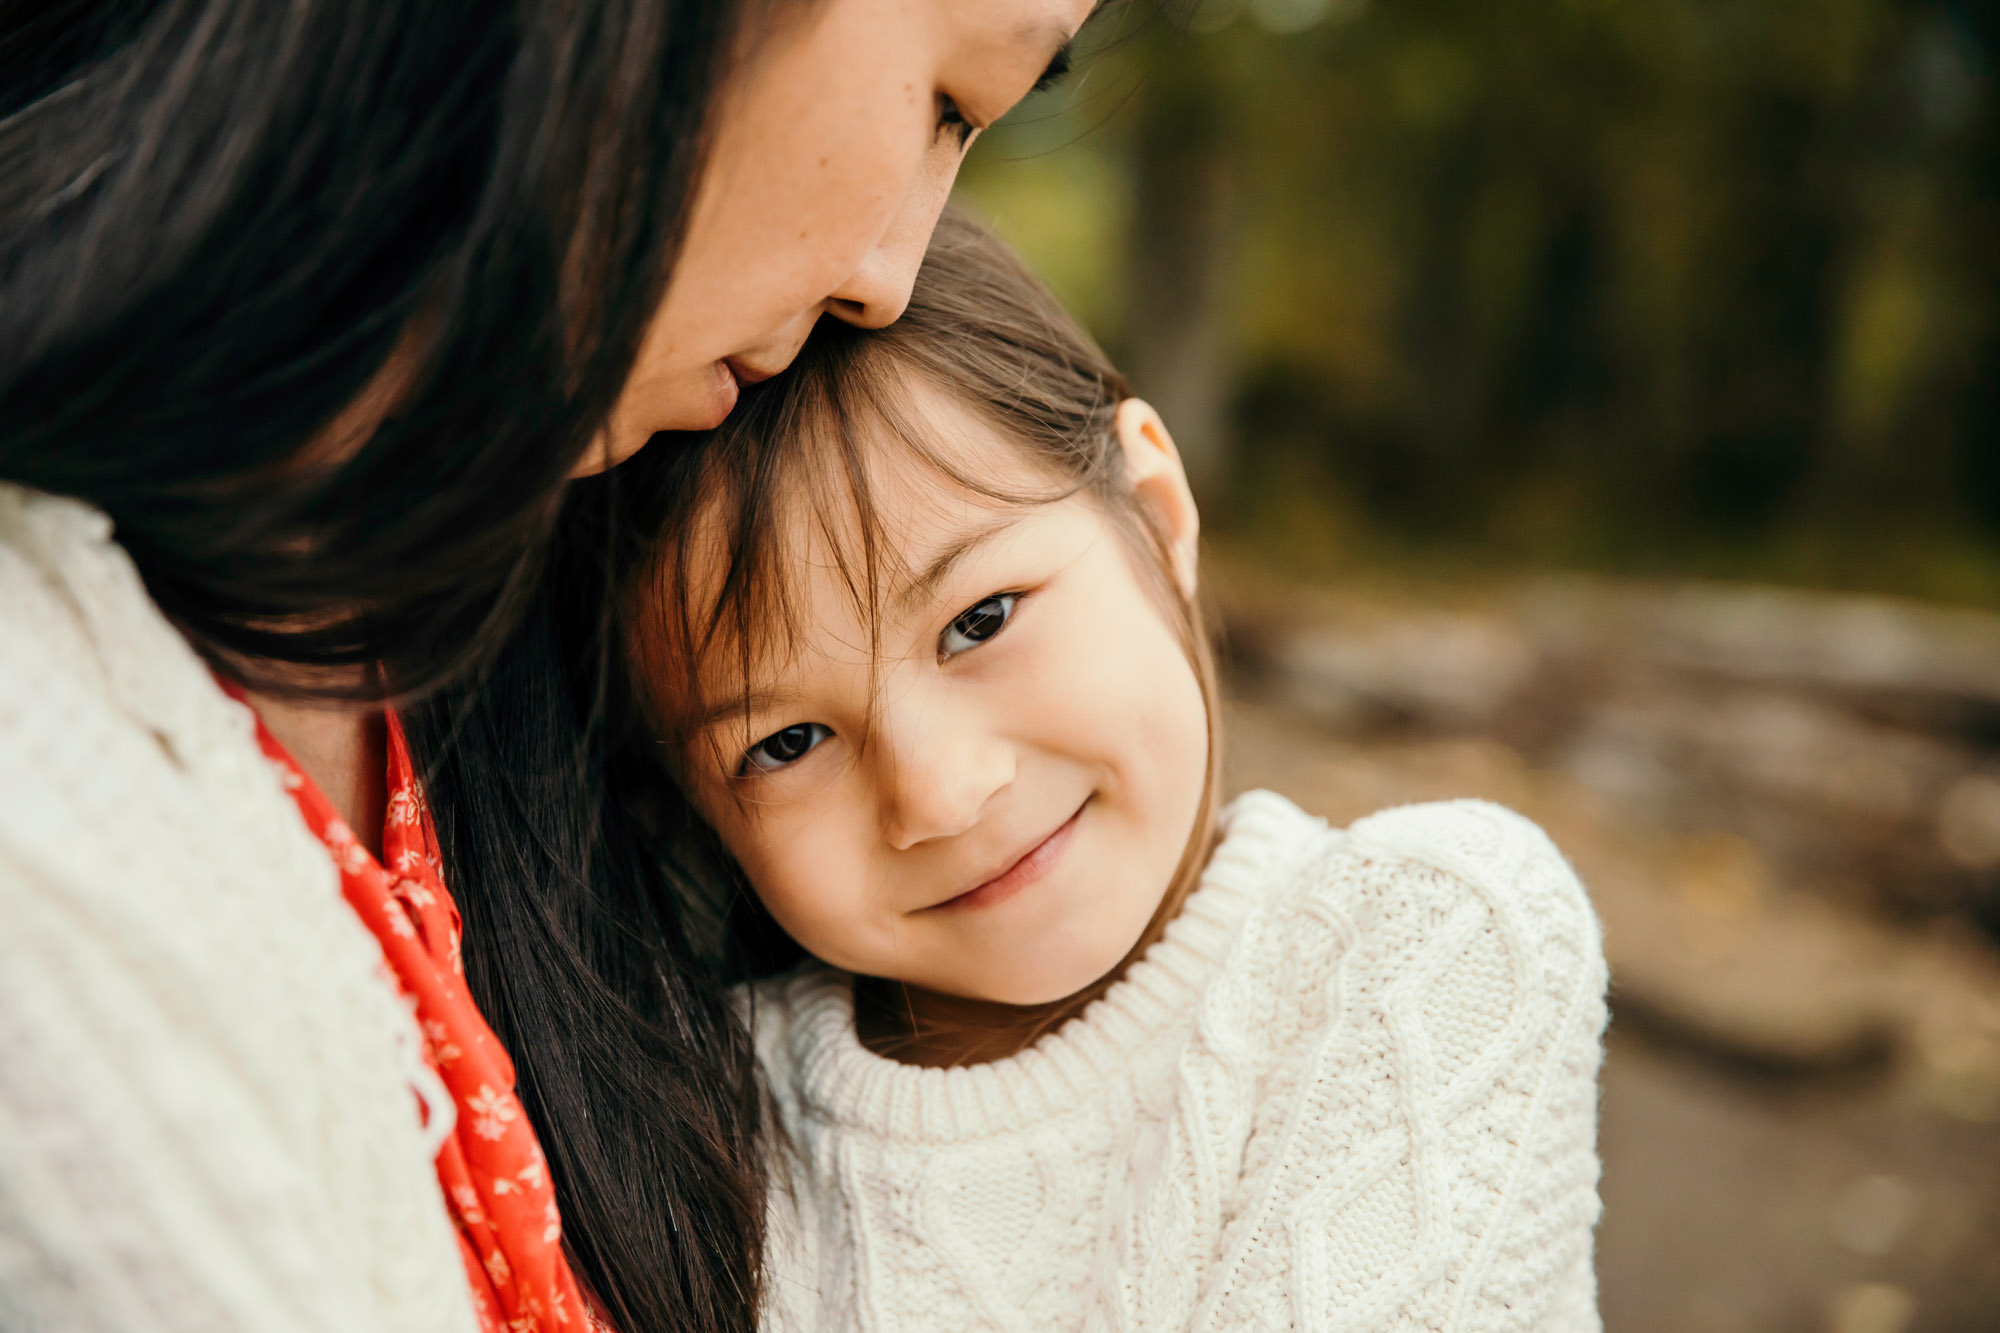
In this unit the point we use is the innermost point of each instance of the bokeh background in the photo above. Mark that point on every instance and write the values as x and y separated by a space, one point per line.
1595 406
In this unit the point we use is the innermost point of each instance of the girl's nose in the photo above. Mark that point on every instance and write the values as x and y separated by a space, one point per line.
939 775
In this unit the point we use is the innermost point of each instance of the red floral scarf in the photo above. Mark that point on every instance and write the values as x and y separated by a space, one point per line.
494 1177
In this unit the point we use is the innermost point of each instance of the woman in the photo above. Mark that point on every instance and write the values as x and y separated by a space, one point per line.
306 314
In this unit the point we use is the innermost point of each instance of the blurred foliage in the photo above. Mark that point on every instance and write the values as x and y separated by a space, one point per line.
1676 286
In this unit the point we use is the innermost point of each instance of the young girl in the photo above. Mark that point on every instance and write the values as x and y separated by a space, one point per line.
1075 1049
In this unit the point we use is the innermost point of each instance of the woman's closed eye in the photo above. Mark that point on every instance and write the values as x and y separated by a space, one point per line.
977 624
782 748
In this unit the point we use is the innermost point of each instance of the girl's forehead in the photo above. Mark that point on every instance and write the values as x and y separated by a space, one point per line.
846 534
922 471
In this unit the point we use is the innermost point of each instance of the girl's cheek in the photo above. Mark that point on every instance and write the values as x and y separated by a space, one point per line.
778 884
801 862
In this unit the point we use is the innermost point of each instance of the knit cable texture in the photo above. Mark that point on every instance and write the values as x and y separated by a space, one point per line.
1353 1088
209 1092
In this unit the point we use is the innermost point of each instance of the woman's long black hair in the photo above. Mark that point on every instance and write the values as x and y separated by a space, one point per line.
224 222
320 301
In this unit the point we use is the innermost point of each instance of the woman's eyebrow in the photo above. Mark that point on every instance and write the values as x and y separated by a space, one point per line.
925 584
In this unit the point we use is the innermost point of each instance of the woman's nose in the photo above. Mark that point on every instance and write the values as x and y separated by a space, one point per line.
939 775
878 291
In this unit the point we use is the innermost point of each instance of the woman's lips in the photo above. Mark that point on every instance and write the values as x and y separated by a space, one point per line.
1031 867
727 380
723 390
745 373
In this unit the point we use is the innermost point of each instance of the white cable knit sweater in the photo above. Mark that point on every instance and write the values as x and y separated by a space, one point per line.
206 1111
1354 1088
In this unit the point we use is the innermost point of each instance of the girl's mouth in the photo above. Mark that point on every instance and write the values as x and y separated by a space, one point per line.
1031 867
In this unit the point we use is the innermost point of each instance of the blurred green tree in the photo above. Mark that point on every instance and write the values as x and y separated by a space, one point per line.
1679 284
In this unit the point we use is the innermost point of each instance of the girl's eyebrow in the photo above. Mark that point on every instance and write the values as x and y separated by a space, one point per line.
925 585
907 598
743 705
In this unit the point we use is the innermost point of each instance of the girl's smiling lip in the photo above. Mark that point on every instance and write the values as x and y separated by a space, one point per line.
1032 866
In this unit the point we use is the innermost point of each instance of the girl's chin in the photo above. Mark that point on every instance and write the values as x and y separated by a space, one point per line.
1015 992
1051 986
1055 979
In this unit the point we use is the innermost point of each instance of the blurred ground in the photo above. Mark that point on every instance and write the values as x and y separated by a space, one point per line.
1787 808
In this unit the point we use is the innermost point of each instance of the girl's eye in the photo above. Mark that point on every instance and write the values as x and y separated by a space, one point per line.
781 748
950 118
977 623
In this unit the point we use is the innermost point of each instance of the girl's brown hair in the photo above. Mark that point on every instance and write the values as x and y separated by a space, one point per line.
983 332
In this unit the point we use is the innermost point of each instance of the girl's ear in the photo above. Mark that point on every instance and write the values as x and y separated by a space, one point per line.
1153 470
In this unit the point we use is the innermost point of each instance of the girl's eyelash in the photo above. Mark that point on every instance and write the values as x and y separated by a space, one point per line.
782 748
978 624
951 118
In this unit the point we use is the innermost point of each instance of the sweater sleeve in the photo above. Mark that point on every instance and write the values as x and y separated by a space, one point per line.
206 1121
152 1179
119 1205
1423 1154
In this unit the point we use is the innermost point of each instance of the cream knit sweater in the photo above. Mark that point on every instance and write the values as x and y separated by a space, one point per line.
206 1109
1353 1088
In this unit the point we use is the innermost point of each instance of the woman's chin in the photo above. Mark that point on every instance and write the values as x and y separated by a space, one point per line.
703 402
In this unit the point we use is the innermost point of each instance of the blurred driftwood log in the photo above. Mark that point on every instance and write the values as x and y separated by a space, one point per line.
1787 805
1855 740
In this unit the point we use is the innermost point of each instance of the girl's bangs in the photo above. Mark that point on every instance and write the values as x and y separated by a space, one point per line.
789 484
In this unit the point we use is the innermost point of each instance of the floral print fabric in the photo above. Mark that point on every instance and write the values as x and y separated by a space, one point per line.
495 1179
